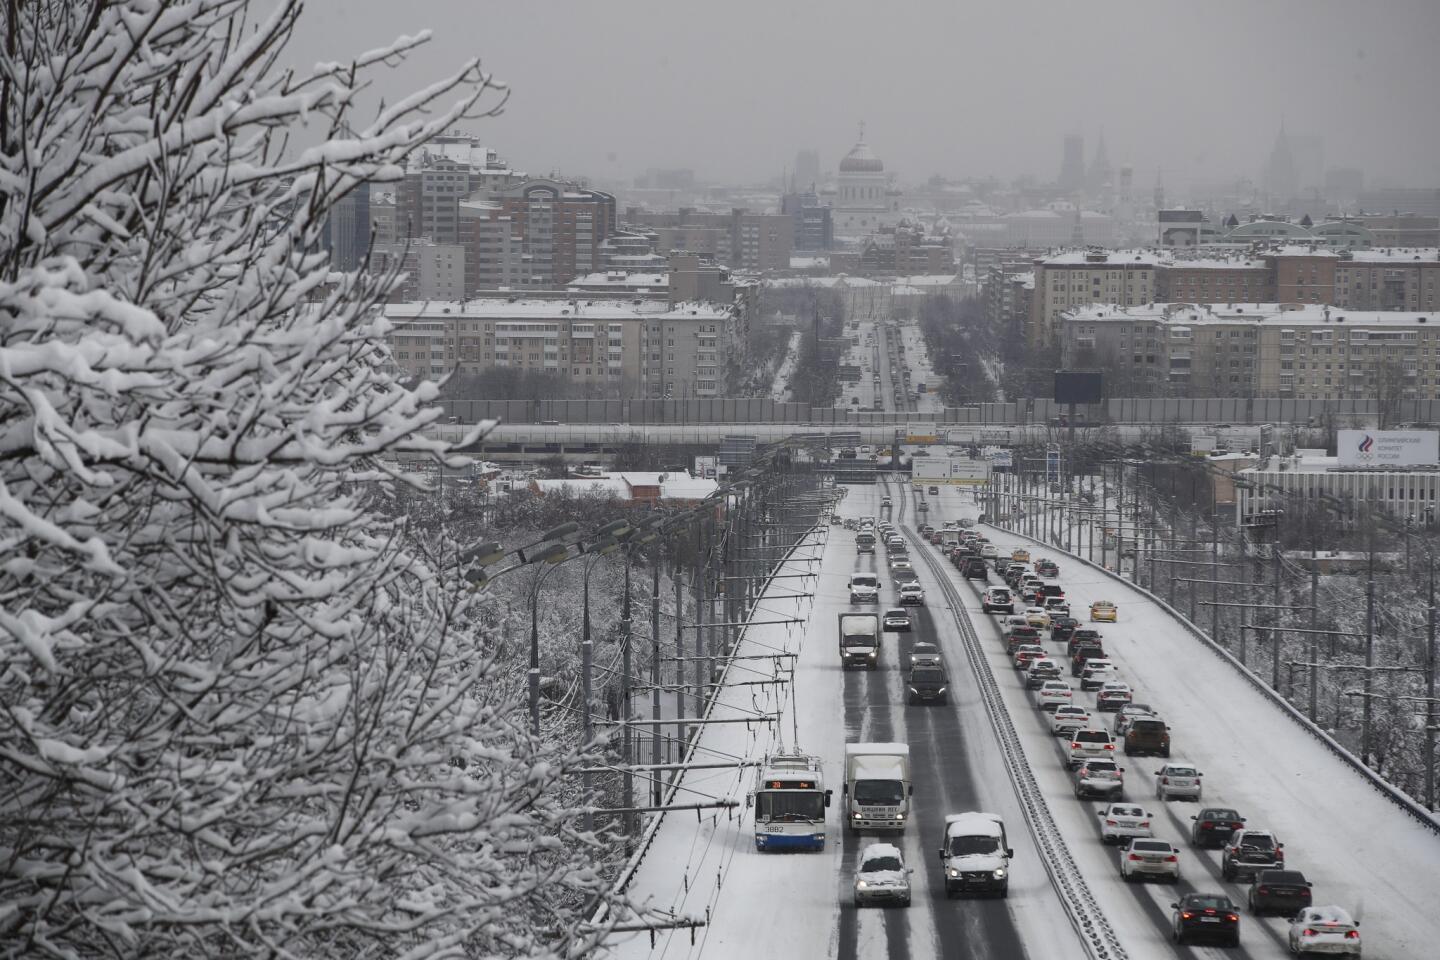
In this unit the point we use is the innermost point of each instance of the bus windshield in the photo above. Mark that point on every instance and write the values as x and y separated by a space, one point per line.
789 806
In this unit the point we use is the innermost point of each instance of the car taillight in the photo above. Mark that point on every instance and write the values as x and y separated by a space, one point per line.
1144 823
1209 911
1308 933
1232 917
1352 934
1279 854
1187 916
1109 746
1172 859
1134 856
1074 745
1110 823
1263 891
1164 779
1206 824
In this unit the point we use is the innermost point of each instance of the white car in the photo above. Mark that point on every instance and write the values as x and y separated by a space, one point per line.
1177 779
1015 620
1089 745
1104 779
1124 821
1325 930
1097 672
1142 859
882 876
924 652
1068 719
1113 695
911 592
1057 607
1055 694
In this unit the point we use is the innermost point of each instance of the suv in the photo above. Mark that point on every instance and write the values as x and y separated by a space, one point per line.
975 854
997 600
1178 779
927 684
974 569
1285 892
1016 636
864 588
1249 851
896 620
1089 745
1147 734
1047 568
1062 627
1040 672
1082 656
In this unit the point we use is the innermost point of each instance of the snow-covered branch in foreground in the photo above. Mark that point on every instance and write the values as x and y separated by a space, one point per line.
239 715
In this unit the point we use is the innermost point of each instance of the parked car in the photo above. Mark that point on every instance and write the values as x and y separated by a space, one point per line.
1148 858
927 683
881 876
1250 851
1067 720
1104 610
1178 779
1205 916
997 600
1112 695
1326 929
1285 892
1214 825
1100 778
896 620
1089 745
1054 694
1124 821
1147 735
1096 673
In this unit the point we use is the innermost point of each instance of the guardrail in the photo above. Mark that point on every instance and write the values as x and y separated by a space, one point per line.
1094 929
1401 799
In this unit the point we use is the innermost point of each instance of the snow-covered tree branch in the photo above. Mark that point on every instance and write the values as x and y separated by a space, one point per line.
239 714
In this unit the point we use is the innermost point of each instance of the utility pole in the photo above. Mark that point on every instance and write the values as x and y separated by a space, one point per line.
679 650
1276 613
627 735
655 758
1314 643
1214 567
1430 692
1366 707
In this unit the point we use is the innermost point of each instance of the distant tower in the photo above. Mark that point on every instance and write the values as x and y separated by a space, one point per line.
1072 164
1098 178
1280 180
807 169
1127 183
1159 189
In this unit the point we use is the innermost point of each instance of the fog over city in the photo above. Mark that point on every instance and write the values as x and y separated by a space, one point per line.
954 87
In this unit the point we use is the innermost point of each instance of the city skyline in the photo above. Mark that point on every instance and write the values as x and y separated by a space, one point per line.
956 91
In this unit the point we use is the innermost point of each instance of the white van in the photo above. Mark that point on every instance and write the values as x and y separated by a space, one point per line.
864 588
975 854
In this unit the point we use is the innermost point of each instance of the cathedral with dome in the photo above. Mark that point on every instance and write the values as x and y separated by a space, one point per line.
862 199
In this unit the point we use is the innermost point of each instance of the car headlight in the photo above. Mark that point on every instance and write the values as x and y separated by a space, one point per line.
941 690
857 816
914 691
859 884
1000 874
954 872
899 816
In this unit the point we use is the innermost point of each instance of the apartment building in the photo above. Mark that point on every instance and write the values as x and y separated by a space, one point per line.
561 227
1215 280
904 249
430 270
437 177
1008 293
608 347
740 239
1082 277
1390 278
1314 352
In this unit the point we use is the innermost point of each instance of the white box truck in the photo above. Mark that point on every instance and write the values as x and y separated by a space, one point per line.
877 786
859 640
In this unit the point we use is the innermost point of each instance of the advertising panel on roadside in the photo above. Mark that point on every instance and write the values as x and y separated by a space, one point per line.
1389 448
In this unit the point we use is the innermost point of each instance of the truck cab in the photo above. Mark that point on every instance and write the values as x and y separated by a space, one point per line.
975 854
877 786
859 640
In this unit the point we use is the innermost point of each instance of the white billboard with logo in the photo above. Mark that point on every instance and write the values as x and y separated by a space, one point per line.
1389 448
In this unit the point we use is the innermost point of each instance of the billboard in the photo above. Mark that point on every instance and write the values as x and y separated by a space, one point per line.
1074 386
1389 448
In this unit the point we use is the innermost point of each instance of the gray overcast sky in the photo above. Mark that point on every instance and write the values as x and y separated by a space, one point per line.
957 87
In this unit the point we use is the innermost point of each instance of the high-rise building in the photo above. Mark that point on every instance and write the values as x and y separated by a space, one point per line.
1072 164
1280 179
432 271
814 225
447 170
347 229
740 239
562 228
807 170
1099 179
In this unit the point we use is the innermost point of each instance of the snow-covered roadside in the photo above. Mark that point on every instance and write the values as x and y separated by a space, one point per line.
781 387
1354 845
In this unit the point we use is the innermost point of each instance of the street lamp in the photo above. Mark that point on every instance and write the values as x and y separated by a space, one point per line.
604 545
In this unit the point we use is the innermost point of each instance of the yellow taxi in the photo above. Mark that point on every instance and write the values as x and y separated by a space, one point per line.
1037 617
1020 555
1104 610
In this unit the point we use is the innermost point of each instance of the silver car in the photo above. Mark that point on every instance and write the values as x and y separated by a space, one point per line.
881 876
1177 779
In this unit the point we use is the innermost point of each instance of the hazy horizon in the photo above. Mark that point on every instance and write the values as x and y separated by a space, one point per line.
962 90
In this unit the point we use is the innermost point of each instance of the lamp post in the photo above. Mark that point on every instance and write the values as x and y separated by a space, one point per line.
604 545
640 532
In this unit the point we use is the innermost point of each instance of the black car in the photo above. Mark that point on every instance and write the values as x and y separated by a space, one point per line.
1213 826
1205 916
1061 628
1285 892
927 684
974 569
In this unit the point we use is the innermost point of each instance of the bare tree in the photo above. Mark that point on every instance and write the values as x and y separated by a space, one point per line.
239 714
